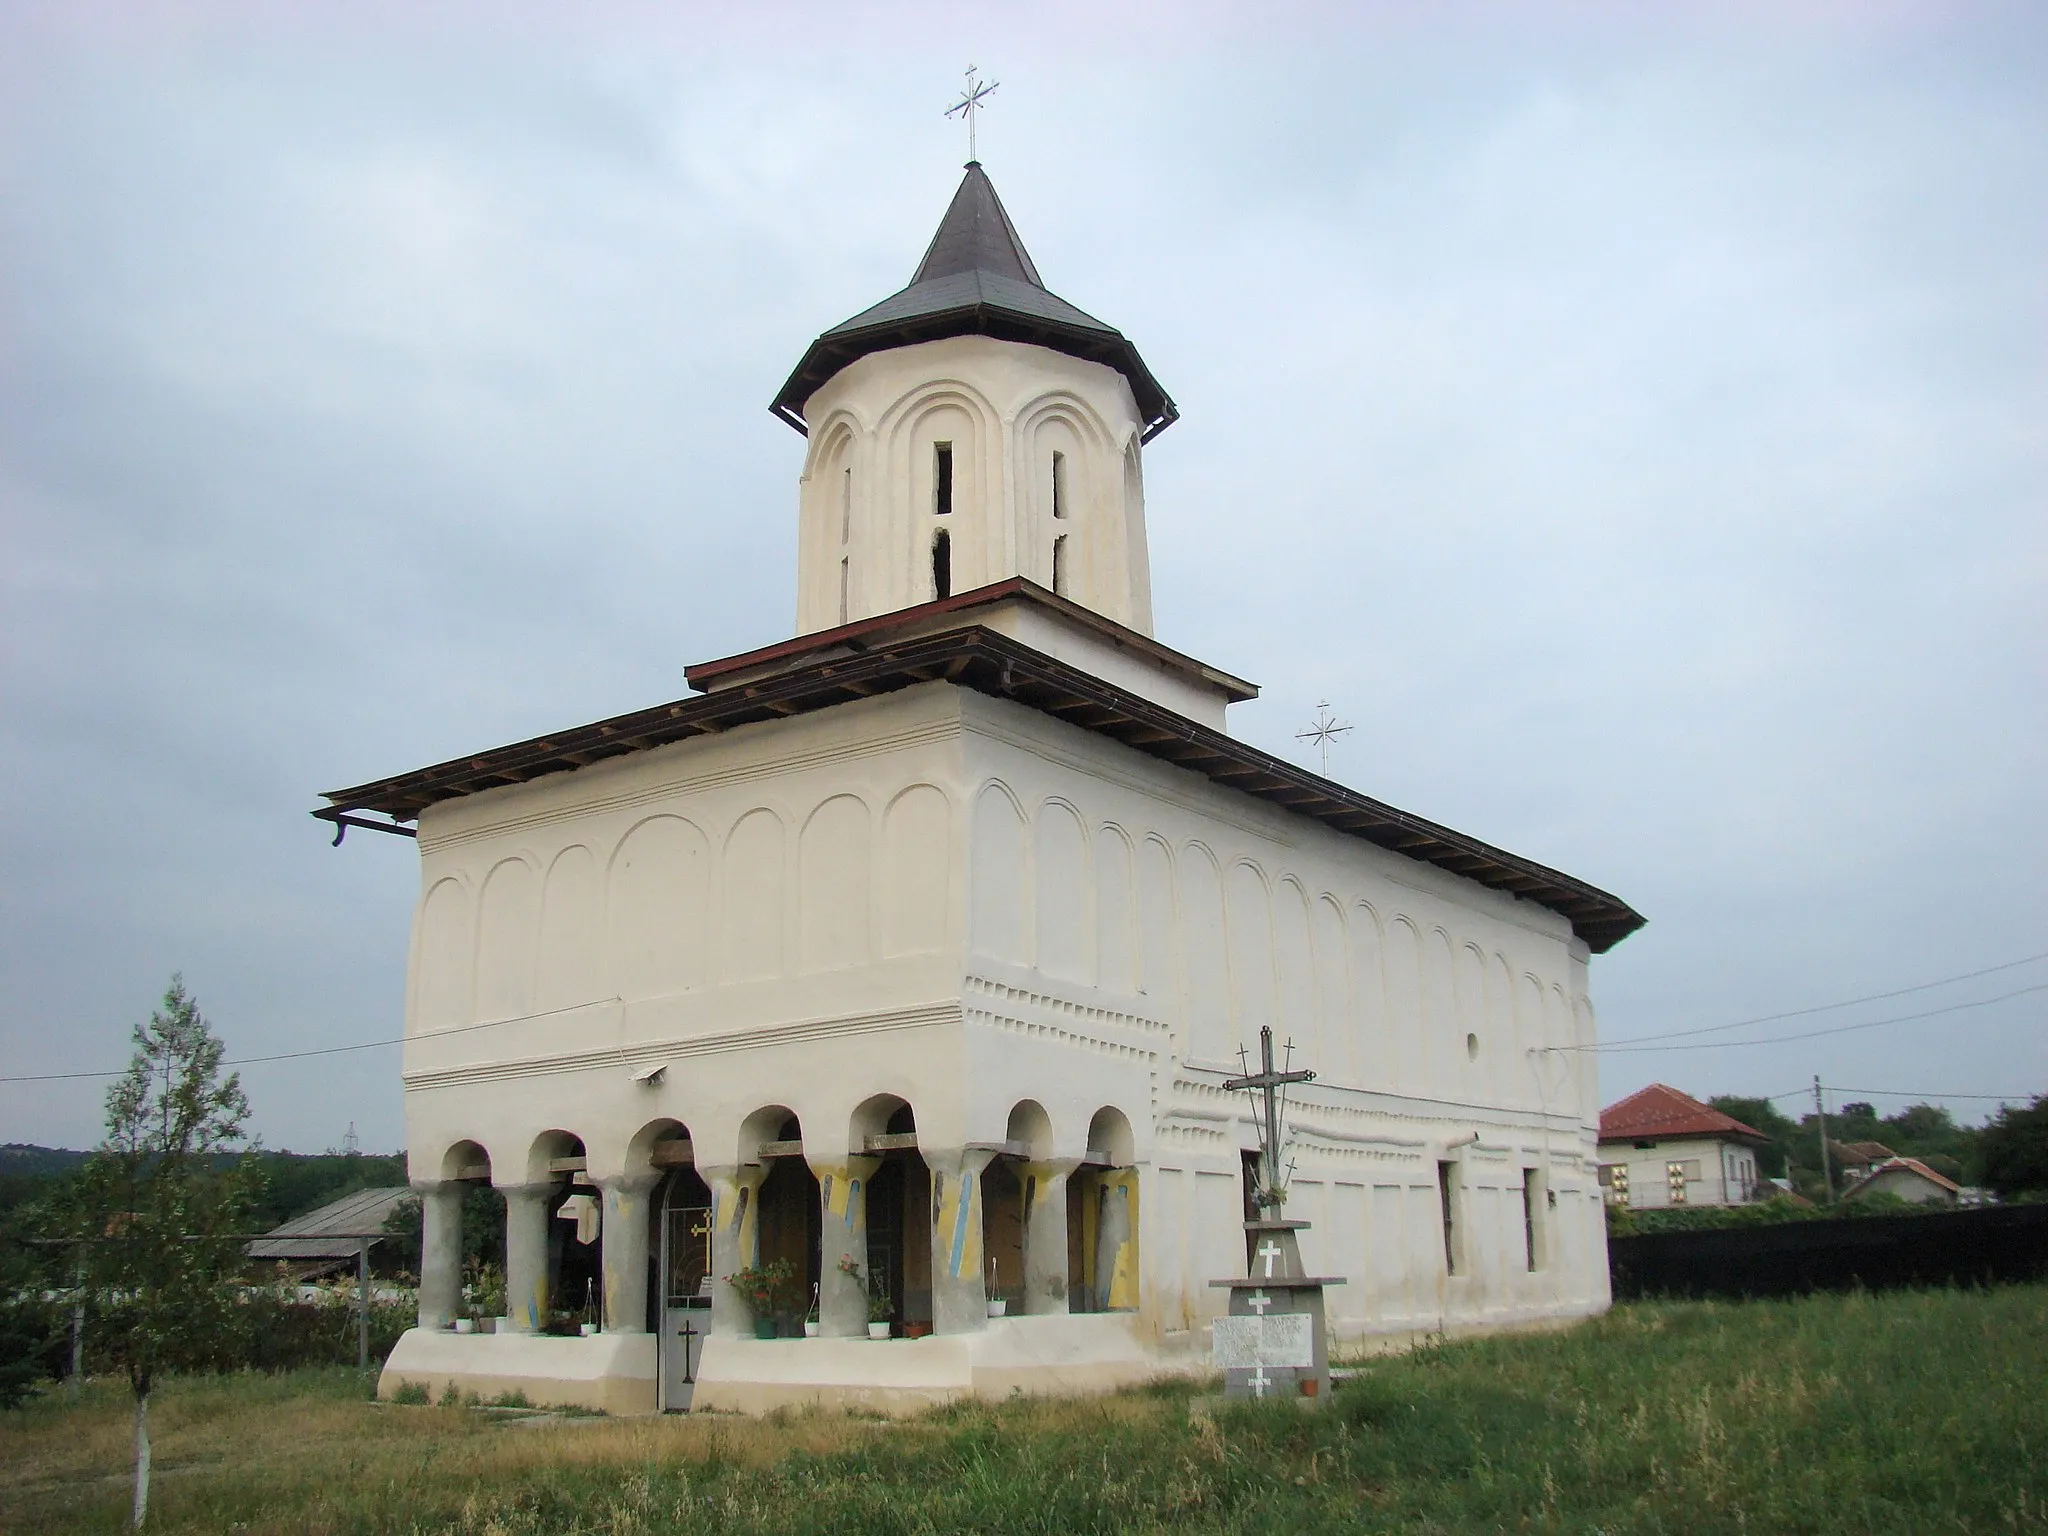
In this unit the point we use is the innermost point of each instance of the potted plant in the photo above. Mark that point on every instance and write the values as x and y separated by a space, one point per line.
880 1309
998 1305
485 1297
811 1317
765 1288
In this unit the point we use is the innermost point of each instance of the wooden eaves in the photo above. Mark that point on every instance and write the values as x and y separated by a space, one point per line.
977 657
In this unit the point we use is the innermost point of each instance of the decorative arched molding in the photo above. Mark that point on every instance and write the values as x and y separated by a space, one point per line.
1062 911
1111 1136
835 884
444 980
636 1159
544 1149
459 1159
1000 875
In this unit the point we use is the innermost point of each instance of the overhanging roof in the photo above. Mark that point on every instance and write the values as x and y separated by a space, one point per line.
976 656
976 279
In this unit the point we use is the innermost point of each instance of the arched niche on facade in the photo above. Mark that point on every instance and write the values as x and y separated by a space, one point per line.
787 1216
466 1161
896 1205
575 1237
1102 1218
679 1217
1009 1187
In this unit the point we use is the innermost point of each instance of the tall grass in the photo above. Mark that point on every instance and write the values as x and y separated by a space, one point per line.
1907 1412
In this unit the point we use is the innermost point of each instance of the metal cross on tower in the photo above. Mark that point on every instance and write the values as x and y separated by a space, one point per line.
970 102
1321 730
1268 1083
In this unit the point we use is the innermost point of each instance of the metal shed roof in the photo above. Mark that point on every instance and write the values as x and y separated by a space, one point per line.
331 1232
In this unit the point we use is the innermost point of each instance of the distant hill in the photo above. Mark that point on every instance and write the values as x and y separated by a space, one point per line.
20 1157
294 1182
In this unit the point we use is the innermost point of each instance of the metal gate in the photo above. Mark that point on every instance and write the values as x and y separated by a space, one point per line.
685 1288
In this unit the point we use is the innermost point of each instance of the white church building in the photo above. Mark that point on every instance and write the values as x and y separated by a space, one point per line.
913 952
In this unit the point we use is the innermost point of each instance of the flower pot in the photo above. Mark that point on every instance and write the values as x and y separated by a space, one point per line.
917 1330
465 1325
810 1327
587 1330
998 1306
764 1327
878 1330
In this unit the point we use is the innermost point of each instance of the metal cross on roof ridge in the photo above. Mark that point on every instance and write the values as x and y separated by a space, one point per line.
1320 731
970 102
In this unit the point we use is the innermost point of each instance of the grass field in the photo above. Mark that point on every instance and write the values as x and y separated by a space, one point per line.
1909 1412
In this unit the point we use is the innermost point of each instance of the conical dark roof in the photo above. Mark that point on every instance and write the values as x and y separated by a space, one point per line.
976 279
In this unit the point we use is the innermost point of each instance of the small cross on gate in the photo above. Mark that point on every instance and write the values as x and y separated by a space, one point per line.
1258 1301
970 102
687 1333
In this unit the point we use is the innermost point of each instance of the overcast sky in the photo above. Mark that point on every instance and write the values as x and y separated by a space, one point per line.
1636 425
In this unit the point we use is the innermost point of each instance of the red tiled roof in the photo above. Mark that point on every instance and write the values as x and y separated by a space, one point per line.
1658 1111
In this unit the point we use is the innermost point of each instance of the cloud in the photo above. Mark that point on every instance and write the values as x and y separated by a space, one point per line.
1633 425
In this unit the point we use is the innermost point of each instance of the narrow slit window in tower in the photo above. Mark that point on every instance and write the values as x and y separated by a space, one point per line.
846 505
1059 485
942 478
845 582
1059 565
942 564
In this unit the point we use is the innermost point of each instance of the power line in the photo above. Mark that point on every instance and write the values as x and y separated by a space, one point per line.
1800 1013
327 1050
1905 1093
1625 1047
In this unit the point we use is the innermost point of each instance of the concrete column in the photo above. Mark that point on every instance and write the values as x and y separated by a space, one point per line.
624 1235
843 1234
735 1239
440 1252
959 1286
1045 1236
526 1255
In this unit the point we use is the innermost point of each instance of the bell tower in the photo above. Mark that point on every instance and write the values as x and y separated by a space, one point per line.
970 428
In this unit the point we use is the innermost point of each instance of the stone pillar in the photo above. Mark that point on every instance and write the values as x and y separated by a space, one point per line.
526 1255
1116 1242
735 1239
624 1235
1045 1236
440 1252
843 1234
959 1286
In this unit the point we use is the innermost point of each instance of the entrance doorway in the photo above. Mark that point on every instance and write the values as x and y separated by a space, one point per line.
684 1292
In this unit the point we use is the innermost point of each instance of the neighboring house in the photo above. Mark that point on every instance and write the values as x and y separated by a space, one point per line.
1660 1147
1911 1180
1853 1160
327 1239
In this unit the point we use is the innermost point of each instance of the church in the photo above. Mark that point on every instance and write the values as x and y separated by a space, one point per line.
854 1030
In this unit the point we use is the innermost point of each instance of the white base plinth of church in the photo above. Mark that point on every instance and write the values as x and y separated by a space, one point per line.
612 1372
1073 1355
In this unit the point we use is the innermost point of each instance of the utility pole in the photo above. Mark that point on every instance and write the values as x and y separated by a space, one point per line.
1820 1115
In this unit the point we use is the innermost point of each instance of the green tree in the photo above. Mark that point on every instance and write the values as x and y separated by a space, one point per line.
156 1204
1762 1115
2015 1150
